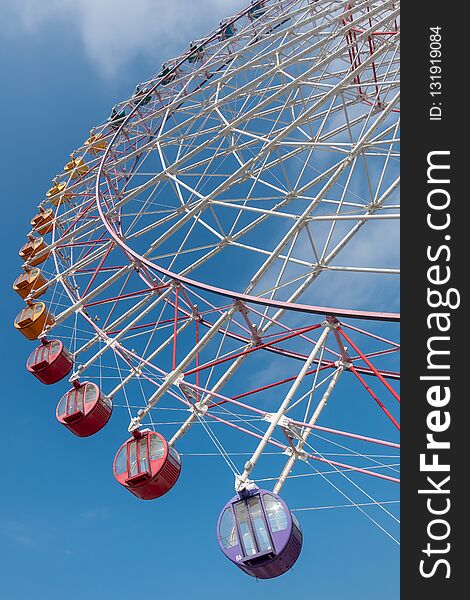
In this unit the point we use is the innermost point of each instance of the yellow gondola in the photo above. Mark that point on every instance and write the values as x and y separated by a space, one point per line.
96 143
57 193
76 167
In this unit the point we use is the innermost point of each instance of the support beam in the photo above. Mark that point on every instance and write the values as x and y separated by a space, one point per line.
242 480
307 430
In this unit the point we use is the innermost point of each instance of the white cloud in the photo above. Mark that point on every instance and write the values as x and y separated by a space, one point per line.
101 512
17 531
376 245
113 32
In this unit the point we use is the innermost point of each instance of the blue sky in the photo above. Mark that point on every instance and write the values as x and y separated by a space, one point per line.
66 529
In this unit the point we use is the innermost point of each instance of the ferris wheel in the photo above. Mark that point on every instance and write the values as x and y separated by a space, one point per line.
218 262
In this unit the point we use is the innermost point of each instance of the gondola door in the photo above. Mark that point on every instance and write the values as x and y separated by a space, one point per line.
138 464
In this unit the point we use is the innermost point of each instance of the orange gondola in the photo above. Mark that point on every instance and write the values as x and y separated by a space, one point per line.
43 221
33 319
29 252
30 283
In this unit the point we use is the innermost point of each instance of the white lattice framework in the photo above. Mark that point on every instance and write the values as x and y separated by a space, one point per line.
224 259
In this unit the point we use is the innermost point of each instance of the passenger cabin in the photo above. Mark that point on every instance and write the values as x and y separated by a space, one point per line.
116 118
50 362
56 194
95 143
147 465
29 282
33 319
43 221
142 96
228 30
257 9
76 167
167 74
197 52
258 533
29 252
84 409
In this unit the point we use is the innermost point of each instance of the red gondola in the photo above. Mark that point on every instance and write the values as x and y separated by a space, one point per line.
84 409
147 465
50 362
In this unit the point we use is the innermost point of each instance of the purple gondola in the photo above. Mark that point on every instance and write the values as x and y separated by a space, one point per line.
258 533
